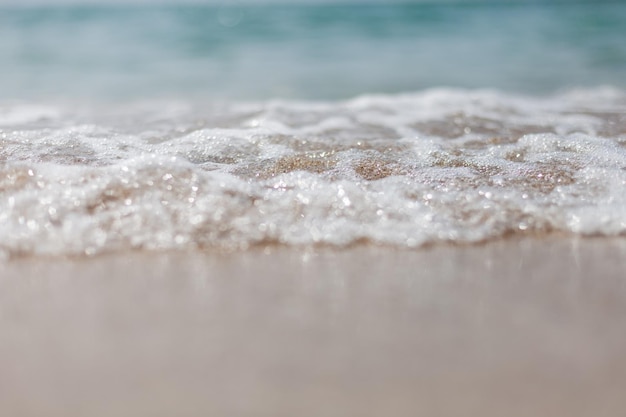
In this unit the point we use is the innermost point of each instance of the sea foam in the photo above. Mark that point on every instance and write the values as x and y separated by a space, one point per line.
404 170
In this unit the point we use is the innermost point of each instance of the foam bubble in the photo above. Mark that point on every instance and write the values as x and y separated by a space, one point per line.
407 170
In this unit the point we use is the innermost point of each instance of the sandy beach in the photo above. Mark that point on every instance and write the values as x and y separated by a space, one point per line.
526 327
312 208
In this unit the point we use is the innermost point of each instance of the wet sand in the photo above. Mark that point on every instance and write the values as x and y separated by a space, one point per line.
533 327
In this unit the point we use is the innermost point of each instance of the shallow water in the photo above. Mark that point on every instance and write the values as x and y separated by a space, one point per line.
440 165
175 127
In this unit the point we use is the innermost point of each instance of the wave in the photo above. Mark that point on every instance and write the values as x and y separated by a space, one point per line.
405 170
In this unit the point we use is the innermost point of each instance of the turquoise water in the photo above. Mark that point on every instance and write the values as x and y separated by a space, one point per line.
308 51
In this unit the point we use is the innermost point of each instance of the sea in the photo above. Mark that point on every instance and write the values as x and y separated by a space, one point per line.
232 125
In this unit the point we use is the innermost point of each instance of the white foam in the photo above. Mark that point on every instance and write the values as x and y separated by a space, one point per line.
441 165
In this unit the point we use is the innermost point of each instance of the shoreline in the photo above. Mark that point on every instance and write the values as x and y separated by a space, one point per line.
516 327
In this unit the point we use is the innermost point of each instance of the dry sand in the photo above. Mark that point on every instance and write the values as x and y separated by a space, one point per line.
512 328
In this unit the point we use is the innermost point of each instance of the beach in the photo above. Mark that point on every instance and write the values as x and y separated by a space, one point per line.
313 208
516 327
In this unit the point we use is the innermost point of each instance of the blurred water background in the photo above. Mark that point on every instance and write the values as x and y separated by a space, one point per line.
306 50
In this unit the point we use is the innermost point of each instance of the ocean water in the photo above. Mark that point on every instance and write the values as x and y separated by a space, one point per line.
198 127
323 51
